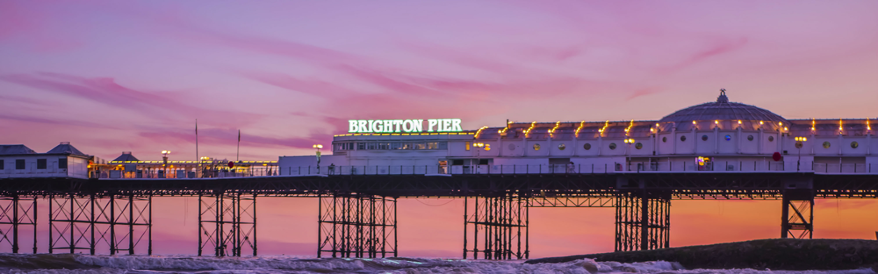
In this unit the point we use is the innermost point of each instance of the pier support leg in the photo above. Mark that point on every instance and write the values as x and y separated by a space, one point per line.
228 222
643 220
499 227
71 223
123 222
16 212
797 215
356 225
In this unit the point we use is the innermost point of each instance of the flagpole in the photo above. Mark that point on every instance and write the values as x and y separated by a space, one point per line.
197 172
238 153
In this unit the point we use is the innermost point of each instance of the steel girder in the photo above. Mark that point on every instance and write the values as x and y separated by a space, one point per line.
227 224
499 224
15 213
356 225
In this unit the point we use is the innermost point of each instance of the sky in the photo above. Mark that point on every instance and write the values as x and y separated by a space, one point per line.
113 76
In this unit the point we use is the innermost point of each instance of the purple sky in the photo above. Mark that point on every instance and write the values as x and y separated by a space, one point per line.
134 75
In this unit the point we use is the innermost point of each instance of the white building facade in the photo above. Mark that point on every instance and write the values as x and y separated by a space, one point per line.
63 161
720 136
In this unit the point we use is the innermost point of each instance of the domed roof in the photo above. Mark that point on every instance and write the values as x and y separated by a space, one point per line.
722 110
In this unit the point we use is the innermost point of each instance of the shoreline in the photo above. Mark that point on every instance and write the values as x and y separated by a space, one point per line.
780 254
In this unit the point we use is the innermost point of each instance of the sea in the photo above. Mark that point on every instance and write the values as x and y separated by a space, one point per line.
75 263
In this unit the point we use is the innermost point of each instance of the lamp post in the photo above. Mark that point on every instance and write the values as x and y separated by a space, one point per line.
478 146
628 141
165 161
799 146
318 147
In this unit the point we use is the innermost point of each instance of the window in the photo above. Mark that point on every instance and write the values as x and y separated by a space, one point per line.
749 137
827 144
420 146
638 145
728 137
536 146
2 164
457 162
371 146
62 162
682 138
443 145
467 146
483 161
704 137
41 163
664 139
771 138
395 145
612 145
361 146
586 146
854 144
562 147
19 163
384 146
432 145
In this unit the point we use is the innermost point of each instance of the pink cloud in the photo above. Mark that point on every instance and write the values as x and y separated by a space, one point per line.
108 92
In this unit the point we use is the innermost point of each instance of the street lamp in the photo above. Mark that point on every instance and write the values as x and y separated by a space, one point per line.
629 141
165 161
799 146
478 150
318 147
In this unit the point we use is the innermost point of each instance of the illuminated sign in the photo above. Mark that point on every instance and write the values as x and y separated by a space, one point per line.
396 126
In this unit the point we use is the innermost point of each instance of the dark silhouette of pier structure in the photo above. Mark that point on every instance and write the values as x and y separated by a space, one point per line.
357 213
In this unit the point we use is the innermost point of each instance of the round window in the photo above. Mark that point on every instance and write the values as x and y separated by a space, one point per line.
683 138
771 138
854 144
704 137
749 137
638 145
664 139
536 146
586 146
728 137
612 145
562 147
827 144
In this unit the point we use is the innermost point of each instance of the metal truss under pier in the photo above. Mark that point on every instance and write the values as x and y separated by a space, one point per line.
643 220
356 225
16 212
228 223
797 216
499 224
116 222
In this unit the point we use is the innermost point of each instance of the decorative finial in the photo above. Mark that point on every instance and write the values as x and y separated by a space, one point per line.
722 96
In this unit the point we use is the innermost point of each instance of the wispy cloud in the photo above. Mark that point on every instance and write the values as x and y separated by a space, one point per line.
107 91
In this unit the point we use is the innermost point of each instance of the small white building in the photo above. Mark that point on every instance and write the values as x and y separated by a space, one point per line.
19 161
720 136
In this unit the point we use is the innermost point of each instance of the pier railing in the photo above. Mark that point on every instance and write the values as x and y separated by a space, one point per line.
603 168
581 168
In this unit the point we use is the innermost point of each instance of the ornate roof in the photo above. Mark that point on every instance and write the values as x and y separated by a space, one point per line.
126 156
65 148
722 110
15 149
